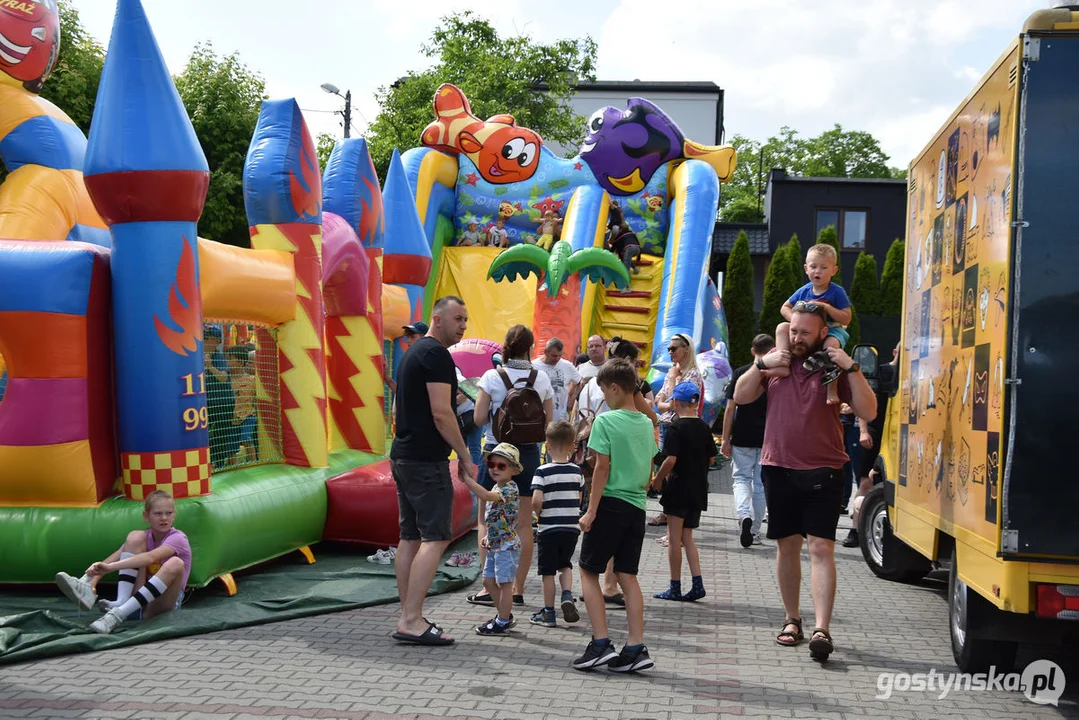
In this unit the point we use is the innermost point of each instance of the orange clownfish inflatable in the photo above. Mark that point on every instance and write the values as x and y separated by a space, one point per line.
501 151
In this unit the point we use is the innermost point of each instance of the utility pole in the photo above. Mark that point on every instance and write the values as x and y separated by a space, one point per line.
348 112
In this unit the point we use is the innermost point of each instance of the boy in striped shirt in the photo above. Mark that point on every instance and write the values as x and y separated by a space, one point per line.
556 496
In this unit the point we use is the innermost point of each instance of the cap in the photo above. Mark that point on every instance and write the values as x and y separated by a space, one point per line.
686 392
510 453
420 328
211 331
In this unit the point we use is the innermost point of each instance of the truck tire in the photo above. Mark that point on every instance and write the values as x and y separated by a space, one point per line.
875 534
969 612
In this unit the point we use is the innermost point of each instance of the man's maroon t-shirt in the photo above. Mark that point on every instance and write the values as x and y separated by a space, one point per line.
802 431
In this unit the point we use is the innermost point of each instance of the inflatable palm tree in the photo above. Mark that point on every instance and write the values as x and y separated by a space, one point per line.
559 309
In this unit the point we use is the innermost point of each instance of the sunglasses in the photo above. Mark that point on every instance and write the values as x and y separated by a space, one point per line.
672 348
497 465
807 306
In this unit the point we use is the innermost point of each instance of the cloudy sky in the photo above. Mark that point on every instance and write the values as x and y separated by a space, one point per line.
895 68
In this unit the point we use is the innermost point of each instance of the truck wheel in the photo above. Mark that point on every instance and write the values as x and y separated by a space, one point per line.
969 612
873 532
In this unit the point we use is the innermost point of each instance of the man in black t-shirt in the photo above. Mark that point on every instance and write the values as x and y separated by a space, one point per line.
426 431
743 437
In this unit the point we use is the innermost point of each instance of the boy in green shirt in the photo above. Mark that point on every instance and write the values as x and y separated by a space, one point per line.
614 524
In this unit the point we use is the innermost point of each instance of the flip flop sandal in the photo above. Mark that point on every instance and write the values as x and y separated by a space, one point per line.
820 644
830 375
658 520
788 638
431 636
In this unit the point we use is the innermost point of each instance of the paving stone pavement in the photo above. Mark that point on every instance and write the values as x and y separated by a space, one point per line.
713 658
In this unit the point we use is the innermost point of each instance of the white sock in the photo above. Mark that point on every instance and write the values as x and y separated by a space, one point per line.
149 592
126 585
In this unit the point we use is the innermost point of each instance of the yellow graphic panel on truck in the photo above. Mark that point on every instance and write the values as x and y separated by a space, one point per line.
955 320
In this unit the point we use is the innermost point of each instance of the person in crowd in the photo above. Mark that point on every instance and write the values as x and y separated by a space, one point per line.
244 415
502 540
556 497
470 237
821 265
550 228
425 433
690 449
497 235
614 524
801 465
494 386
683 369
563 376
153 564
220 400
741 441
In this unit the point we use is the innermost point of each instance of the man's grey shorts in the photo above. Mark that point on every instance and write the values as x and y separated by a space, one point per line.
424 499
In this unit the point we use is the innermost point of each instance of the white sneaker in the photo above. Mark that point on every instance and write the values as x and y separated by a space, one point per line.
107 622
105 605
757 539
383 557
77 590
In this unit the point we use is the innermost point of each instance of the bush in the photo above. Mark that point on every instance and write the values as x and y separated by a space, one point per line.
738 302
854 330
865 288
776 290
829 237
891 281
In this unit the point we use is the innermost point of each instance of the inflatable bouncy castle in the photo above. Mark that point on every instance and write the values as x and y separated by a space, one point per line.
139 357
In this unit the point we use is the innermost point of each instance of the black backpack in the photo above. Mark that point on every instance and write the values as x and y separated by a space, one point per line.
520 419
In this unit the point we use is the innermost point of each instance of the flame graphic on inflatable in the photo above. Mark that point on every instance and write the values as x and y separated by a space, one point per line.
306 190
185 307
372 219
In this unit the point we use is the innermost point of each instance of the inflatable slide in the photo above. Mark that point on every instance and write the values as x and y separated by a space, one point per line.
472 173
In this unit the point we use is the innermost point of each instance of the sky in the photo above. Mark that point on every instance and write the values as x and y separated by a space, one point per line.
894 68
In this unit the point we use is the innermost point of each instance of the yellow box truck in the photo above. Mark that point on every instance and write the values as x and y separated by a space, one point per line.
978 441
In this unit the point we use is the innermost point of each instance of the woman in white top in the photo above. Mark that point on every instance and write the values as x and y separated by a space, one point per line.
516 351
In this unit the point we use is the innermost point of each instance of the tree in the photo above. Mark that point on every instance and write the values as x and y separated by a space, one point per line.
325 143
794 254
497 74
891 280
828 236
854 330
777 290
865 287
833 153
222 97
72 87
738 301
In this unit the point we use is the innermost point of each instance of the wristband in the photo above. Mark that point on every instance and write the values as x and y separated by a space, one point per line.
759 362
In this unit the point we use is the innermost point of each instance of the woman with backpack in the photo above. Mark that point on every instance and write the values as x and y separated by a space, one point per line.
517 401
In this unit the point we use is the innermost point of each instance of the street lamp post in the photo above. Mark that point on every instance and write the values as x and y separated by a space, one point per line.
334 90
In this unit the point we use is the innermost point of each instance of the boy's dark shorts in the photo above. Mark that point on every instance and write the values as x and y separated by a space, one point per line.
870 454
618 532
802 502
424 499
556 548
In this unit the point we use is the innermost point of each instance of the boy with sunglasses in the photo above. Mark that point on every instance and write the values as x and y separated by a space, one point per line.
821 266
502 542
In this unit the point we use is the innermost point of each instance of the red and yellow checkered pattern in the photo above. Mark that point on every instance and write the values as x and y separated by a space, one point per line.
181 473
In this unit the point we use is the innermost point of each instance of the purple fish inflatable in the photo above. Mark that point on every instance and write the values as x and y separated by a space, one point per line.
624 148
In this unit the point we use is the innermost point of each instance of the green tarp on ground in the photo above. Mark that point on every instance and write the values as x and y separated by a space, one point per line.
42 623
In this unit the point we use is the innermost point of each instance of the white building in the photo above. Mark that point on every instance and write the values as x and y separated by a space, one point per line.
696 107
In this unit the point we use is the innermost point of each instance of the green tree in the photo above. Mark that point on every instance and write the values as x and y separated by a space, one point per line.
72 87
833 153
891 280
777 281
828 236
497 74
738 301
325 143
223 97
865 287
794 254
854 330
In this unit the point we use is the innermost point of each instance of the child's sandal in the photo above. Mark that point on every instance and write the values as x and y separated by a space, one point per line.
789 638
